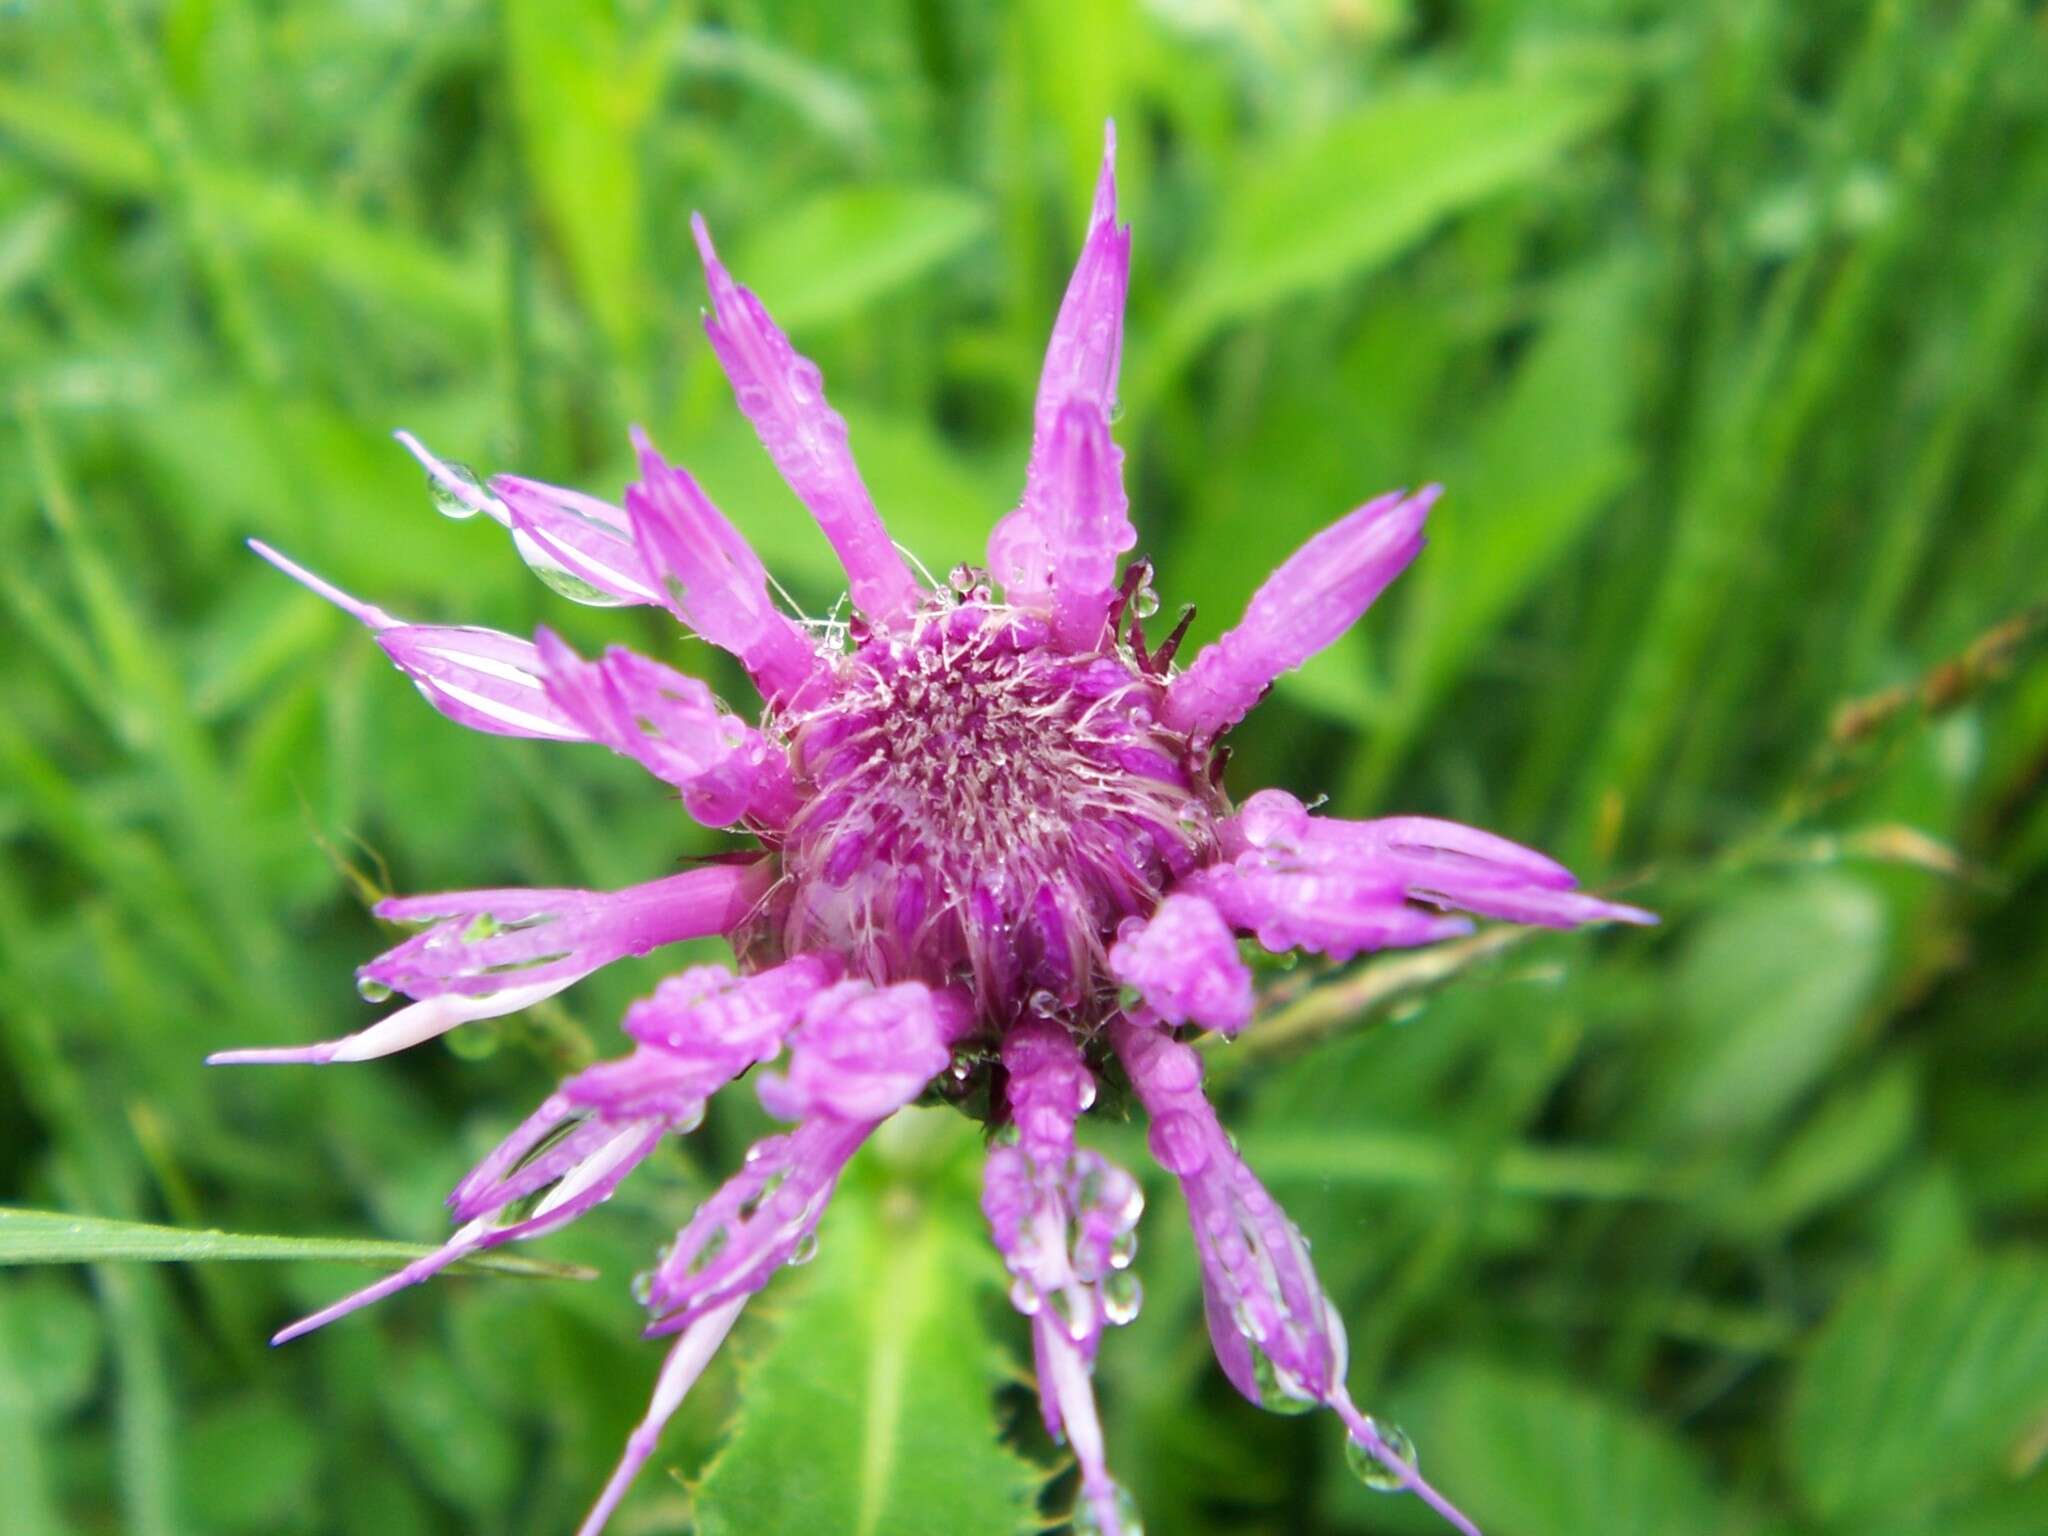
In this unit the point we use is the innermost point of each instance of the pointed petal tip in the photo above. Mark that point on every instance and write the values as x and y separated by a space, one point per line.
707 253
274 1056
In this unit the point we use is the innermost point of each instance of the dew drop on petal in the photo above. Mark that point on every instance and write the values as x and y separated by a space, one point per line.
1145 602
806 1249
447 500
370 990
559 579
1277 1392
1121 1297
643 1287
1370 1468
1025 1298
1089 1519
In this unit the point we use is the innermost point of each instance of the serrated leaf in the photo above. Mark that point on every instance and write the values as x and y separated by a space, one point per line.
835 253
59 1237
1922 1387
872 1413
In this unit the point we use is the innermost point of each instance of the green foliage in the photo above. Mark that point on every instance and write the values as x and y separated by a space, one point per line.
884 1342
1719 322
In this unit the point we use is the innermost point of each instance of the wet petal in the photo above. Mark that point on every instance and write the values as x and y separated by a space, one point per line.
573 539
783 394
1084 507
1313 597
476 677
710 577
1080 365
480 941
674 727
1184 962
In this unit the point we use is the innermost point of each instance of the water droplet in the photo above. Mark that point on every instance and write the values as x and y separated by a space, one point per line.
688 1120
1278 1391
559 579
1025 1298
371 990
806 1249
965 577
450 501
1119 1519
1121 1297
1124 1248
643 1287
1044 1004
1145 602
1372 1469
1075 1307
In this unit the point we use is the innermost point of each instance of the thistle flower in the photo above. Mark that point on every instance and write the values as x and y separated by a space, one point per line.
987 838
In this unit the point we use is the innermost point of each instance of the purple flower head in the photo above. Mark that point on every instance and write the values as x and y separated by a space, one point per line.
985 837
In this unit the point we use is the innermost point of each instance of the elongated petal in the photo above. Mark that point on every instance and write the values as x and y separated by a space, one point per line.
413 1025
1184 963
455 487
601 1163
862 1052
1338 887
480 941
859 1050
783 394
476 677
1080 365
1313 597
1083 503
685 1363
581 546
710 578
675 728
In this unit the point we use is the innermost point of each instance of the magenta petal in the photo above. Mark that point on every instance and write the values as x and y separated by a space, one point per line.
783 394
1083 504
710 577
480 942
1080 365
1313 597
1184 962
675 728
1256 1273
588 539
860 1053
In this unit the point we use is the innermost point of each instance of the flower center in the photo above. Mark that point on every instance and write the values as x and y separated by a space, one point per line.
984 807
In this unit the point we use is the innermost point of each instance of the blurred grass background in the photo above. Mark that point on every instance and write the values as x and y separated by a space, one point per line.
1721 321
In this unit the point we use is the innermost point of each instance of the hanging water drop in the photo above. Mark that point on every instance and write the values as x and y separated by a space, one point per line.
456 492
1145 602
1374 1470
1278 1392
370 990
806 1249
964 577
1122 1295
558 578
643 1287
1109 1511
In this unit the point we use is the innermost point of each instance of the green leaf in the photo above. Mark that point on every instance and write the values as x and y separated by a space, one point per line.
872 1413
1854 1133
53 1343
1529 1455
59 1237
839 251
250 1464
1540 465
1362 191
1921 1387
1766 994
581 96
